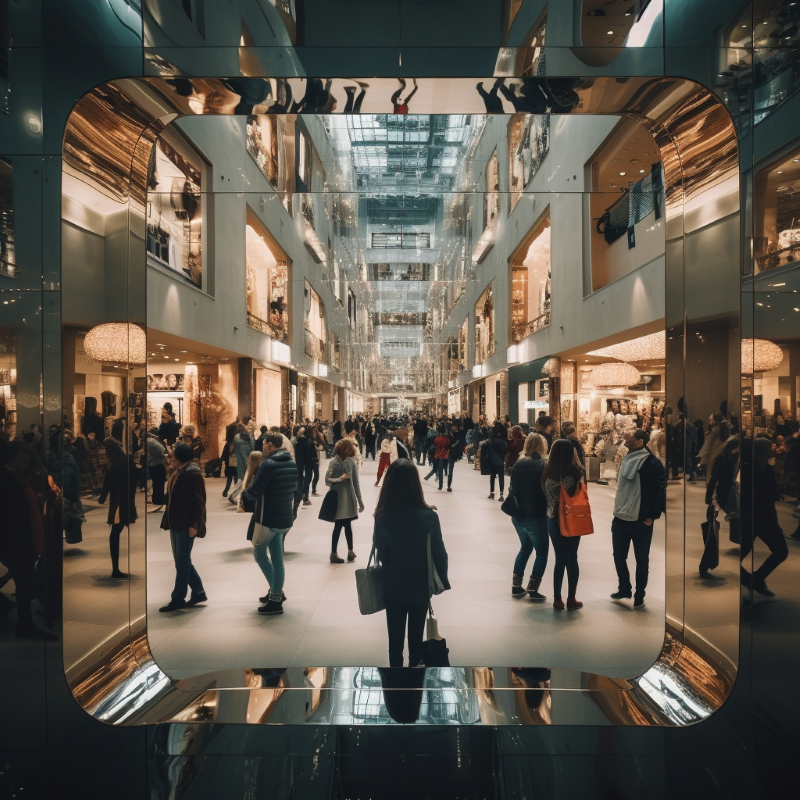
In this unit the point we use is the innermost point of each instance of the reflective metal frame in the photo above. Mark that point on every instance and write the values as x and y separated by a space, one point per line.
108 140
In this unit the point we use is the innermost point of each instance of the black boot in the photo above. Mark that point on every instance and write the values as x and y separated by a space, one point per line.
533 590
516 586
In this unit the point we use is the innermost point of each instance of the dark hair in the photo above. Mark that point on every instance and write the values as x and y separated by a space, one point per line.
345 449
183 453
724 431
275 439
499 431
644 435
401 490
240 428
718 417
562 463
544 421
114 451
263 429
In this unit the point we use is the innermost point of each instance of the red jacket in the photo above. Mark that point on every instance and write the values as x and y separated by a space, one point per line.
442 445
514 449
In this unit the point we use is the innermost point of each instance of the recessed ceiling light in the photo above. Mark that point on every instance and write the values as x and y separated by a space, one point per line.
795 160
610 33
777 284
641 172
622 173
780 172
166 357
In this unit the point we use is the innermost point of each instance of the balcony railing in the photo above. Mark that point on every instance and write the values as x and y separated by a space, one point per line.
520 331
315 348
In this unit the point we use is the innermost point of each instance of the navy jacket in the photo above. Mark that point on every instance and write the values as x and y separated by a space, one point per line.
276 482
526 484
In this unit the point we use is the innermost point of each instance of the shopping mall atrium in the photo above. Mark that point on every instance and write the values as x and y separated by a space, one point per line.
579 220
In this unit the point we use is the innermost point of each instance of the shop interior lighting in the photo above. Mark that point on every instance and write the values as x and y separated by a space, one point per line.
117 343
614 375
760 354
645 348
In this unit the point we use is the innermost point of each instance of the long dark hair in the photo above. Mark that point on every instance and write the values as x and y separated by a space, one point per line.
401 490
114 452
562 463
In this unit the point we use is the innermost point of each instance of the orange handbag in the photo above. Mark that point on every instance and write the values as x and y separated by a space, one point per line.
574 513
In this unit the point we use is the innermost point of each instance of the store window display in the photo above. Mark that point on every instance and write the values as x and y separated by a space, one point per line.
174 208
777 213
316 333
266 282
8 268
528 144
530 282
484 326
269 137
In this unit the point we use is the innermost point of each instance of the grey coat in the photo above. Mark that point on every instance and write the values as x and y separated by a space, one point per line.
349 490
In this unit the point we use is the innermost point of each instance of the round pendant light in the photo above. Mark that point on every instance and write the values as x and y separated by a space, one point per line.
552 367
117 343
614 375
760 355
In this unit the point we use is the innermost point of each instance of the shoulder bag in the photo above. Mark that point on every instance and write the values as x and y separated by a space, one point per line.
574 513
435 585
329 506
510 505
369 585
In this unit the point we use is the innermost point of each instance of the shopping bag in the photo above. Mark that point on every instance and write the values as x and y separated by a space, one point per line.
369 585
435 652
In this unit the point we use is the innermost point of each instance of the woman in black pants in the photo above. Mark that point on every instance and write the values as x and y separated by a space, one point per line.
342 475
403 524
120 485
563 469
493 458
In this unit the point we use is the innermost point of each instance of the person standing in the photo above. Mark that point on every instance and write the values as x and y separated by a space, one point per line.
370 436
563 470
404 523
156 468
229 462
272 493
120 485
169 429
342 475
544 427
516 442
640 500
242 447
305 455
531 522
185 519
441 454
569 433
493 455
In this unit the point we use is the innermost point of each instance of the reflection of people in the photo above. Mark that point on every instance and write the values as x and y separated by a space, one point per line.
276 309
353 105
185 519
401 106
494 105
120 485
404 524
639 501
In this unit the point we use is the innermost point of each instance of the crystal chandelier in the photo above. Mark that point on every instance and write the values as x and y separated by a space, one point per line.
117 343
761 355
608 376
645 348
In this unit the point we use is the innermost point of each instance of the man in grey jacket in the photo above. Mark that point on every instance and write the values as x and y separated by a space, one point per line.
156 467
640 500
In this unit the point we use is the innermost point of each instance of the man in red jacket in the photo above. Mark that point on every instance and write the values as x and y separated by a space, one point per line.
185 519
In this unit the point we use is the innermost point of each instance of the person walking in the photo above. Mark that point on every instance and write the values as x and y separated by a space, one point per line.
456 454
388 448
342 475
185 519
156 468
493 454
640 500
242 446
441 454
563 470
272 494
404 524
531 521
370 437
420 438
120 485
229 463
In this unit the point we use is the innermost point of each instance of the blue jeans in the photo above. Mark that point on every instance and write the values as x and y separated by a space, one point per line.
272 563
532 532
185 573
419 448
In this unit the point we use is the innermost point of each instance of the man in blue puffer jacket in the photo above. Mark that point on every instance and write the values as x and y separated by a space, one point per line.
272 494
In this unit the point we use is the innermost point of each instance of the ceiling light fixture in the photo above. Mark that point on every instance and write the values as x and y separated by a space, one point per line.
645 348
613 375
117 342
761 355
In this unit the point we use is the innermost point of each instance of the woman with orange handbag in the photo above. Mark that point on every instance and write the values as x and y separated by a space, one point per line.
568 517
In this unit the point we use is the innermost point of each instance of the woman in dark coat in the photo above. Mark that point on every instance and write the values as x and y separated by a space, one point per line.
403 524
515 444
493 456
120 485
